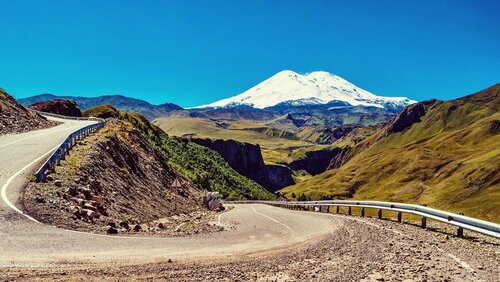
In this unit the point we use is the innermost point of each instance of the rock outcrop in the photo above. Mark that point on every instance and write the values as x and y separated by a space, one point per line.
314 162
280 176
59 107
246 159
341 157
406 118
14 118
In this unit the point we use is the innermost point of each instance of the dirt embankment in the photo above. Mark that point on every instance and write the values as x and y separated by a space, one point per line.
14 118
114 181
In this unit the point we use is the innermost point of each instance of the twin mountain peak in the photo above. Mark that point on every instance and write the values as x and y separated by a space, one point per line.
315 88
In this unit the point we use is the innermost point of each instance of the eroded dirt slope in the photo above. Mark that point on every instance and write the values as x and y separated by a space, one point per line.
14 118
114 181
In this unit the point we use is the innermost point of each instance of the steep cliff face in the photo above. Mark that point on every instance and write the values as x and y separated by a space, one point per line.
280 176
14 118
59 107
341 157
247 160
314 162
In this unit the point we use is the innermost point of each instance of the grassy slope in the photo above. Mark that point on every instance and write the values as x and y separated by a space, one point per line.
200 164
449 160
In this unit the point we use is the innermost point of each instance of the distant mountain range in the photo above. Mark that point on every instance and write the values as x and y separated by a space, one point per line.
120 102
315 99
289 89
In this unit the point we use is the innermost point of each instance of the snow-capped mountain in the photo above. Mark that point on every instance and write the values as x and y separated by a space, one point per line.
314 88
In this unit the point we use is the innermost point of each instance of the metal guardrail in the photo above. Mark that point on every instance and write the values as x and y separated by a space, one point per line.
64 117
63 149
459 220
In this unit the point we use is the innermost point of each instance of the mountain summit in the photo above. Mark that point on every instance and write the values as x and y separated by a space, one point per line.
314 88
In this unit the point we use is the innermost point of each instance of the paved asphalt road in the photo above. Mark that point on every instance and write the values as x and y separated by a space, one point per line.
257 228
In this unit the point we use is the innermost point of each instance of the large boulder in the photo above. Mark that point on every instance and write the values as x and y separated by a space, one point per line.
59 107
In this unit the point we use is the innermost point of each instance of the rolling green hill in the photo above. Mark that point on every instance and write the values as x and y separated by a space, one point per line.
443 154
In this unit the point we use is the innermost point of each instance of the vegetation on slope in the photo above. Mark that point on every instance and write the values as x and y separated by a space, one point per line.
448 159
203 166
102 111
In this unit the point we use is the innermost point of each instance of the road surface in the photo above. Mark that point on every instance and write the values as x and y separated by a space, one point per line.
24 242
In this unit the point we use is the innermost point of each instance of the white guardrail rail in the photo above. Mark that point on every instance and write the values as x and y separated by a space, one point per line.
459 220
63 149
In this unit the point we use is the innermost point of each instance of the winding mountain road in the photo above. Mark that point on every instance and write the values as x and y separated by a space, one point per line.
312 246
27 242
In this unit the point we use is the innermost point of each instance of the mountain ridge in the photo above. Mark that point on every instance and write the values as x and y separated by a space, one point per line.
121 102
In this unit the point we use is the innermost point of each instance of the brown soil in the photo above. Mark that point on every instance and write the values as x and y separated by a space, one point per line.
378 251
14 118
114 181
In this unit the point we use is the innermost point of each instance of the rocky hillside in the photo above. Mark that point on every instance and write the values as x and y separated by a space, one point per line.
120 102
59 107
201 165
247 160
116 181
443 154
14 118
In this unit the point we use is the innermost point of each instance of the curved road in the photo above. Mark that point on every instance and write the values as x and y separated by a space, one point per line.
25 242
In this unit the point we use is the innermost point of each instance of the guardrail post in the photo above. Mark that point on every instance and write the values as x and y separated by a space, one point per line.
424 219
58 158
63 151
460 230
40 177
349 211
362 212
400 217
424 222
52 166
337 209
327 209
379 213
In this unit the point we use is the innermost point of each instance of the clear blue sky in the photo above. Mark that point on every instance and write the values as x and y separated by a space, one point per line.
195 52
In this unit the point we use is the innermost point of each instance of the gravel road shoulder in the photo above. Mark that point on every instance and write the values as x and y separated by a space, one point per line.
360 249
